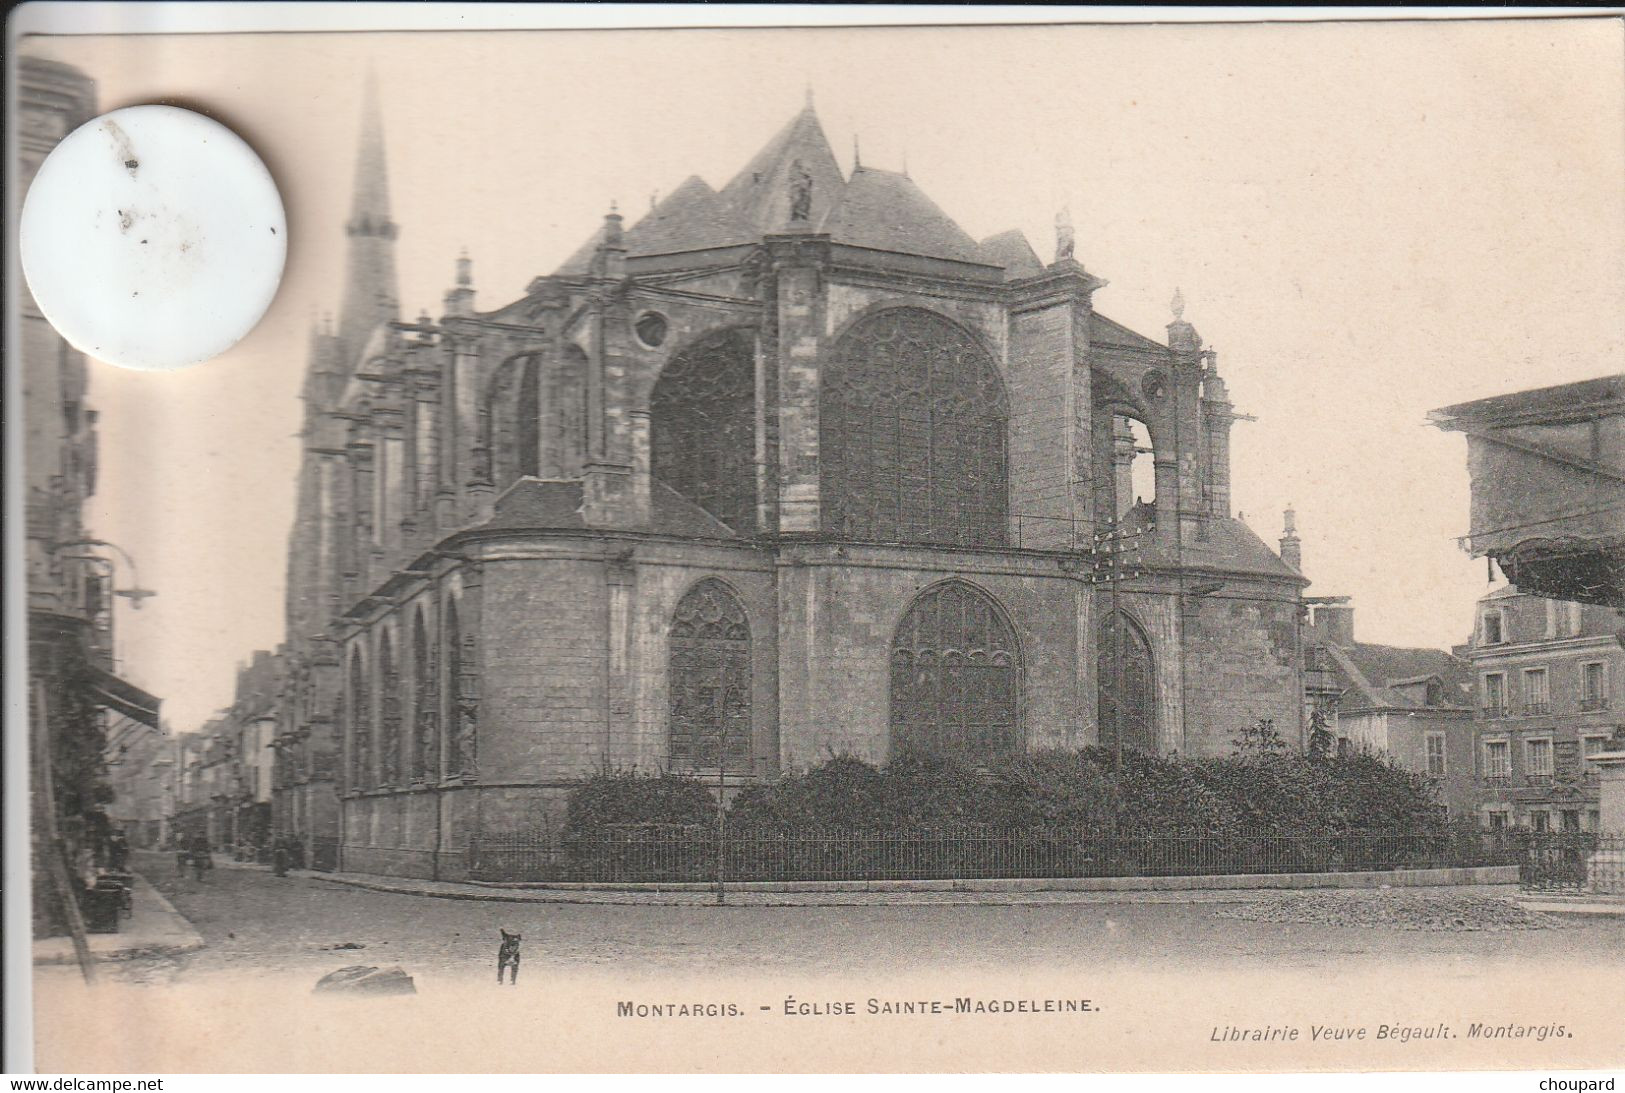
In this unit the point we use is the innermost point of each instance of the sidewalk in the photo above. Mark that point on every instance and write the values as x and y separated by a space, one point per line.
154 929
1579 903
1012 893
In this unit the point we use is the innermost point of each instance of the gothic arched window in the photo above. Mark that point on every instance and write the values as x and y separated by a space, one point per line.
569 412
702 427
912 431
457 720
360 708
1138 716
955 674
709 677
389 708
426 704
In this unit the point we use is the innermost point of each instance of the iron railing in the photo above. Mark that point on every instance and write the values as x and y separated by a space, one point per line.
1576 860
655 854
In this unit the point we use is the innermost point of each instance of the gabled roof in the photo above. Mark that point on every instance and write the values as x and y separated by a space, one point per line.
759 195
1011 251
885 210
1374 672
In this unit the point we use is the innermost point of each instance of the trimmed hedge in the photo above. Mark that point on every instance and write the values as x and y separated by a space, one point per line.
1254 792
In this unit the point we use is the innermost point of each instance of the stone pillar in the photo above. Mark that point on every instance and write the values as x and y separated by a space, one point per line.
389 479
798 262
1605 868
1180 505
1050 444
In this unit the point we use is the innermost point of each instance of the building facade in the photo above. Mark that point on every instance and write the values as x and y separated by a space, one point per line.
1548 487
1414 705
77 703
1550 692
782 470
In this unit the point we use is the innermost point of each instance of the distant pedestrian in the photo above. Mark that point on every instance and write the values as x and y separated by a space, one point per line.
279 857
118 852
182 859
201 861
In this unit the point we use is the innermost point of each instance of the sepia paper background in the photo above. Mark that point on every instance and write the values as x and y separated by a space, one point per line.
1367 220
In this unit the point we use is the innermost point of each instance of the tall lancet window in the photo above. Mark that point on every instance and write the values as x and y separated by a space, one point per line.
426 703
1127 701
912 435
458 722
389 708
709 678
955 676
702 427
360 707
569 412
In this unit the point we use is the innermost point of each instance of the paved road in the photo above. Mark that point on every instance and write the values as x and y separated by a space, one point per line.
252 920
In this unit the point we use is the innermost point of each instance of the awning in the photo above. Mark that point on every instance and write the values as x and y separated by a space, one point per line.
118 694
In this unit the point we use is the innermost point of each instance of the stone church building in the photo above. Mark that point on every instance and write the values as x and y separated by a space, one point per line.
786 469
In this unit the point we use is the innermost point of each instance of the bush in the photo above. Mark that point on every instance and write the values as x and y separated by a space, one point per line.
1258 792
614 798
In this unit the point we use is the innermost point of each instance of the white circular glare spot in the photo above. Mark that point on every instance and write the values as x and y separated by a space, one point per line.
153 238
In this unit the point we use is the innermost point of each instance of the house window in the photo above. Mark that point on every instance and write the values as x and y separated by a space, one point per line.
1537 757
1594 686
1498 821
1540 821
1593 819
1537 697
1435 744
1497 760
1592 745
1495 695
1494 632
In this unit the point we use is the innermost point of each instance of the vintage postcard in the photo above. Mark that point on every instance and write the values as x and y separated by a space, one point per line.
866 549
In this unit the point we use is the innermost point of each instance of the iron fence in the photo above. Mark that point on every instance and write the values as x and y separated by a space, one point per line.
655 854
1576 860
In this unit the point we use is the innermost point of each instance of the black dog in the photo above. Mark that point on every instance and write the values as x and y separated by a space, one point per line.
508 956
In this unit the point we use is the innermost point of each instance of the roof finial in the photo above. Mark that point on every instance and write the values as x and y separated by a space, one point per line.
857 159
465 268
809 93
1065 238
1178 304
905 159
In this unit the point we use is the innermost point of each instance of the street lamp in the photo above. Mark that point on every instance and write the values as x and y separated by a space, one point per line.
135 594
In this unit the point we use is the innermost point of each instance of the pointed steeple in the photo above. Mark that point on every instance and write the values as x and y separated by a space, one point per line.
371 288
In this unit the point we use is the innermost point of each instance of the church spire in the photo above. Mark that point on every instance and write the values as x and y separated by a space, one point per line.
371 292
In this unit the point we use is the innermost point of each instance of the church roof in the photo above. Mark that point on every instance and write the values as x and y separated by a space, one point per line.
885 210
876 209
760 194
691 217
1103 331
1011 251
1230 546
536 503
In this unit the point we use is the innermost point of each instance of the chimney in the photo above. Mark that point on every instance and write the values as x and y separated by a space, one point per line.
1291 547
1333 623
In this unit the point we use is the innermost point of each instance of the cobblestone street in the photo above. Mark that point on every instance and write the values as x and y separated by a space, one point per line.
253 920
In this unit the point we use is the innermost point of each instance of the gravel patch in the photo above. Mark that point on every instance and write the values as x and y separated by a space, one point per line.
1396 910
